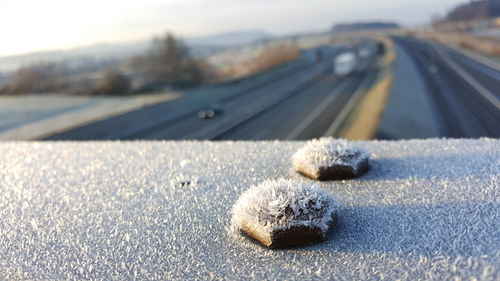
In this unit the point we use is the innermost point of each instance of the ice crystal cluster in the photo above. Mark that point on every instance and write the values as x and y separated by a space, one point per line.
326 152
282 204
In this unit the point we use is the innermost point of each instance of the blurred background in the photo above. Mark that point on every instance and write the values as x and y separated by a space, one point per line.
249 70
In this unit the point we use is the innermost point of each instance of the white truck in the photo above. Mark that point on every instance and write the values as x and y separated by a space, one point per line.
344 64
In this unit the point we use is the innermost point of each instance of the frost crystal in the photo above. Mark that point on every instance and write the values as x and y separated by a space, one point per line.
281 205
318 155
428 210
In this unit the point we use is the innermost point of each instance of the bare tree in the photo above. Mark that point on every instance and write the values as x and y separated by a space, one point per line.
38 78
169 61
113 83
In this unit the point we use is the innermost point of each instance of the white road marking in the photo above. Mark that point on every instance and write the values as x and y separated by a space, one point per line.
468 78
315 114
477 57
346 109
257 107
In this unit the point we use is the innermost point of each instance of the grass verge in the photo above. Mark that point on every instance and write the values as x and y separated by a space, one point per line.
365 117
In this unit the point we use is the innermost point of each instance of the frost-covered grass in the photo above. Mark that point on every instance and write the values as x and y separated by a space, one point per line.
283 204
427 209
34 116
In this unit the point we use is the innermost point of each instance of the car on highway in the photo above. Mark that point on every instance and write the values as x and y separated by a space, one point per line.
367 50
344 64
210 111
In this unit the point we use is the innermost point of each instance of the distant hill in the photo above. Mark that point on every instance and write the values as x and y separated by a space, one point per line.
474 10
364 26
200 46
97 52
229 38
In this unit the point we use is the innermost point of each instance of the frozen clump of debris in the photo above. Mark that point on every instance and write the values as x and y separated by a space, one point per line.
285 213
330 159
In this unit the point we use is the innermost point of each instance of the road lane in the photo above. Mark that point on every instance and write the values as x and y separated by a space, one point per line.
242 106
306 115
190 126
279 121
464 107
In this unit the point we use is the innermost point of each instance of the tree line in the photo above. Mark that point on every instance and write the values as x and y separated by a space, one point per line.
167 63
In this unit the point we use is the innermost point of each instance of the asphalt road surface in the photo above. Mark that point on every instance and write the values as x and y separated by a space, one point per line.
464 93
306 115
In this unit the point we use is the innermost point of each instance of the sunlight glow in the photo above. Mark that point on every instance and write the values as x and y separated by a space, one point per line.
30 25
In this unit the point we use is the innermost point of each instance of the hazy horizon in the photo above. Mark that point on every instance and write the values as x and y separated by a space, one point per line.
60 25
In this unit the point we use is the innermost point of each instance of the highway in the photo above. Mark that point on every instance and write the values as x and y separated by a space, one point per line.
274 111
234 108
464 92
158 117
306 100
299 105
306 115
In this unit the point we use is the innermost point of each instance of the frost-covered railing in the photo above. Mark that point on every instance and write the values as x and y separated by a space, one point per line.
426 209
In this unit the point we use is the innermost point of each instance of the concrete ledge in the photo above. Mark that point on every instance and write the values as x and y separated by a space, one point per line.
427 209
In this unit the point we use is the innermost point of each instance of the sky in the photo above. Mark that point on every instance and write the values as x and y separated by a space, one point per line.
34 25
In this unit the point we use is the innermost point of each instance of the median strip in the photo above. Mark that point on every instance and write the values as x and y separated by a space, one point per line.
348 108
367 114
359 119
